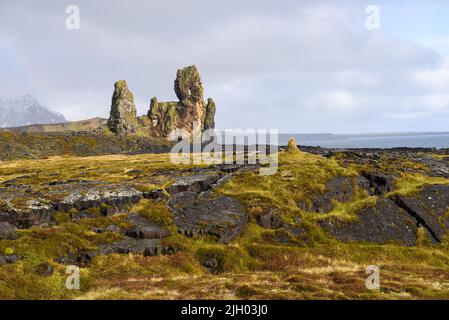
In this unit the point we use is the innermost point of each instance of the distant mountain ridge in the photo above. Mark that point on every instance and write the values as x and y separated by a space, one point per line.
26 110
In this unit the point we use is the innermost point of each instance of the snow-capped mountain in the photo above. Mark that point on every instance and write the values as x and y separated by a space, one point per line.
24 111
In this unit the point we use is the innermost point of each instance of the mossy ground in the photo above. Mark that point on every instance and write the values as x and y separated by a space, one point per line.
314 266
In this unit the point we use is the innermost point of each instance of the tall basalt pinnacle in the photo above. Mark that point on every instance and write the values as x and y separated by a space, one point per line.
209 118
123 116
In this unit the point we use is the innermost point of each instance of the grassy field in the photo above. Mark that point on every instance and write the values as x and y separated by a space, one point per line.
312 265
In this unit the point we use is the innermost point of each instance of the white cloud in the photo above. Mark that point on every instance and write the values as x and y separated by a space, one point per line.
297 67
334 100
436 79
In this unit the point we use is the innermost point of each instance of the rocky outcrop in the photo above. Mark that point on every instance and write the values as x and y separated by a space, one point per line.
196 182
123 116
36 211
190 115
383 223
206 214
144 229
115 198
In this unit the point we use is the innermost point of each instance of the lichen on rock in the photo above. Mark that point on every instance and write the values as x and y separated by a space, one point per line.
164 116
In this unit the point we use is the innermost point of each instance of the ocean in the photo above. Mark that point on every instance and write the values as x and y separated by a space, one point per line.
412 140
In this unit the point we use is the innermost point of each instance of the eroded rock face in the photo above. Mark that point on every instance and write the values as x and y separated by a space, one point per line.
123 116
429 208
190 115
383 223
188 86
171 120
207 214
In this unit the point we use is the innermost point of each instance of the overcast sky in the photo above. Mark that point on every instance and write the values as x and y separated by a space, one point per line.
298 66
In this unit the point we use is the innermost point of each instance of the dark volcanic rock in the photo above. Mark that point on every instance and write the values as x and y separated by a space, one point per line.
269 220
339 189
25 219
143 229
157 194
383 223
117 198
429 207
207 214
82 215
145 247
7 231
195 183
40 212
110 228
379 183
4 259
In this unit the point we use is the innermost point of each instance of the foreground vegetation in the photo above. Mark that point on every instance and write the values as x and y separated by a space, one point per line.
310 265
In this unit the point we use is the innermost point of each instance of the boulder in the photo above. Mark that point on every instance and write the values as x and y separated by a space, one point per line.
7 231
